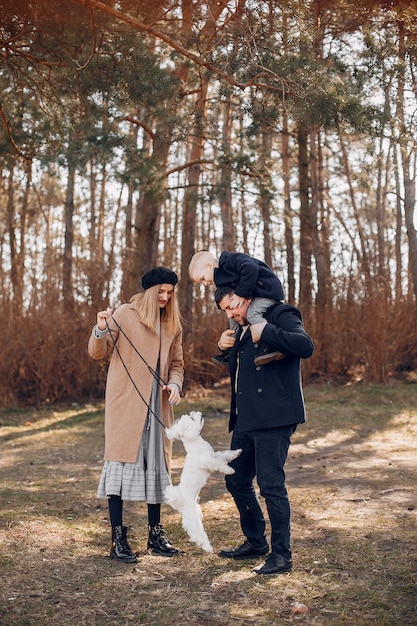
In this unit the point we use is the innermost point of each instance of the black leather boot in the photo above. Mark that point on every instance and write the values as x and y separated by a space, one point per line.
120 549
266 355
221 359
158 543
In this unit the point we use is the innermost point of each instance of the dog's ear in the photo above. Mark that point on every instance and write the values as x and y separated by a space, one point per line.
180 427
196 416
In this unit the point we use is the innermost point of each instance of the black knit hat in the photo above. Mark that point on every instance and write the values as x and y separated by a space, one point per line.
159 276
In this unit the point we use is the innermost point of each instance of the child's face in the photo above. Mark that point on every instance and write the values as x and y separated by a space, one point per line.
205 276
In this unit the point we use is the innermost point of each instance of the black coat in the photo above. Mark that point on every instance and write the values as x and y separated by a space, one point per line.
271 395
249 277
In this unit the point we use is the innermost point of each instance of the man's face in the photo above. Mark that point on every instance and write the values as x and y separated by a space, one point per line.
238 313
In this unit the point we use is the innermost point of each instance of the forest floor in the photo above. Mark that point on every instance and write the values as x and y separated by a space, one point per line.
351 476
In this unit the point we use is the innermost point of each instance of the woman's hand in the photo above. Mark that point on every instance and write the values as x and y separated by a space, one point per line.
102 317
174 393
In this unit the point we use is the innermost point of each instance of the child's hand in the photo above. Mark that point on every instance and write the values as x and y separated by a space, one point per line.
236 301
256 331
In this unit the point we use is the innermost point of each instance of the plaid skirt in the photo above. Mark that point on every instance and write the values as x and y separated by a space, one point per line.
147 479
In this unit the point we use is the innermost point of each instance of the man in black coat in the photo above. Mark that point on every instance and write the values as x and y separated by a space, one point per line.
267 404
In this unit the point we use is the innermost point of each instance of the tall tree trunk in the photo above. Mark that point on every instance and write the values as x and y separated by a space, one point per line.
95 267
125 289
286 175
288 217
323 297
242 209
363 259
266 194
321 252
18 248
103 267
409 174
398 228
408 163
17 295
110 263
149 207
67 294
24 216
306 238
190 205
92 235
229 233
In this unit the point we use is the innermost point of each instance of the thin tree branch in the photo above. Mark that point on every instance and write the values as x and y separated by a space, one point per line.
184 166
137 122
200 61
10 136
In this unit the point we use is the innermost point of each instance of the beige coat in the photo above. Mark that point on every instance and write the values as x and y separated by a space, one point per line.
125 411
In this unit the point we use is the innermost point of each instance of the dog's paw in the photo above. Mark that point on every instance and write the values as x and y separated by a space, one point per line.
233 454
170 433
229 470
207 547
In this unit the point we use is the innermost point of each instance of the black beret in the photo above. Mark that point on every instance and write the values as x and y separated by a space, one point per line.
159 276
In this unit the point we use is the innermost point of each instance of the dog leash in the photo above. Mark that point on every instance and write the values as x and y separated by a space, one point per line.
155 374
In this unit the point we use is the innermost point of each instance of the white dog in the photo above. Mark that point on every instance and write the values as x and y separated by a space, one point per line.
200 460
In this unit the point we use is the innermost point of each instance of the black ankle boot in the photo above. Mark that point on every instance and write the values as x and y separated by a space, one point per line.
158 543
221 359
120 549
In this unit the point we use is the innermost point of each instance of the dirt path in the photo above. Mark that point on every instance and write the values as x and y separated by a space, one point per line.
352 483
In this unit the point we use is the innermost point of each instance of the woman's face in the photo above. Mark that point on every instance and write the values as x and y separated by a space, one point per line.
165 294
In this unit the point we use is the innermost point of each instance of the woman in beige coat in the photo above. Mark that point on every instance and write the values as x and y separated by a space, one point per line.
144 380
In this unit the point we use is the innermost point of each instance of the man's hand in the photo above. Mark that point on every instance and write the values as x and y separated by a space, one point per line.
227 339
256 330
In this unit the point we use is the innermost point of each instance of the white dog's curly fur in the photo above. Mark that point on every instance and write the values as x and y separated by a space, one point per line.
199 462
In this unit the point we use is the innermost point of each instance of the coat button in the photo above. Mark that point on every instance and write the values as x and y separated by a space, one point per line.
256 345
260 390
258 367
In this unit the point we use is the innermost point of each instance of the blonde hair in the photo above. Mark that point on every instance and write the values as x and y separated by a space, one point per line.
147 308
199 261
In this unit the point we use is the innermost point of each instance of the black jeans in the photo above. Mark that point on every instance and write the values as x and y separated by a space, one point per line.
264 453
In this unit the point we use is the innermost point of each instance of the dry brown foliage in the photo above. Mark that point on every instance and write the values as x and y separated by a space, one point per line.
45 360
351 478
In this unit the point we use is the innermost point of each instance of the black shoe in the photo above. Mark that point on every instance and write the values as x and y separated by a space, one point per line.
158 543
267 355
245 551
274 564
221 359
120 549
